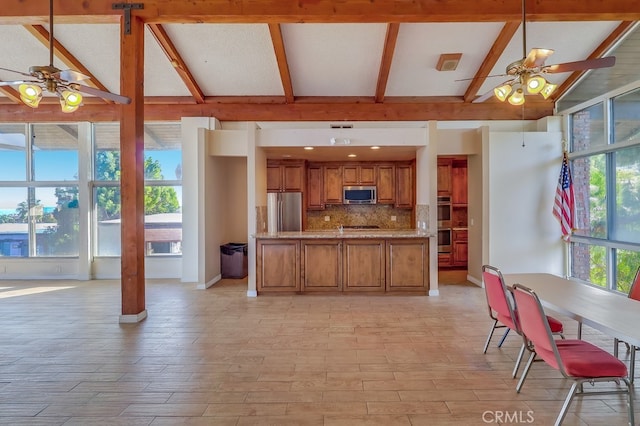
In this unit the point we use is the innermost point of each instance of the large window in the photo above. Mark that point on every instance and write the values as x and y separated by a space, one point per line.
162 191
605 158
39 190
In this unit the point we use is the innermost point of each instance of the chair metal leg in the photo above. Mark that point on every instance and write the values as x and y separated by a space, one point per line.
504 336
616 342
518 362
630 391
525 372
632 363
567 402
486 345
579 330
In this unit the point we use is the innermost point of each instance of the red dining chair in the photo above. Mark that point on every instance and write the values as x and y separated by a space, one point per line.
501 310
576 359
634 293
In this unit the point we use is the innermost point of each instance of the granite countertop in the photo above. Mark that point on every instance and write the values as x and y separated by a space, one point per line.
346 234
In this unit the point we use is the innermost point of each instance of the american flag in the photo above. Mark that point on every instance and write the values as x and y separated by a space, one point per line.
563 207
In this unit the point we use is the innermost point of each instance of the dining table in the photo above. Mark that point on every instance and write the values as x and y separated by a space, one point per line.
609 312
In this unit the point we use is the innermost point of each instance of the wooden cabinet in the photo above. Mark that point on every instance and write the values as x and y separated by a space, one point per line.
363 265
321 265
285 176
460 247
359 174
278 265
332 182
386 184
444 176
314 193
407 264
459 182
405 185
444 259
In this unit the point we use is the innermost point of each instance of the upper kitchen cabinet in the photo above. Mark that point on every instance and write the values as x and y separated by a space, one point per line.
359 174
332 182
285 176
459 182
386 186
405 185
444 176
315 185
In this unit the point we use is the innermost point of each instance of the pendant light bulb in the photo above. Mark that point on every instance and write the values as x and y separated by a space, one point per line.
502 92
535 84
517 98
30 94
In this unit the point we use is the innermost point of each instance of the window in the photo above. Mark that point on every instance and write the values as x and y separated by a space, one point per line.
605 160
162 191
39 194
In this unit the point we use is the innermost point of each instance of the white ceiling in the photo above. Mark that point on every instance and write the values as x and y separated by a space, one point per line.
338 60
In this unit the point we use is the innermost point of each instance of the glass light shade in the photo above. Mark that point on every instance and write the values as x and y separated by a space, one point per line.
30 94
503 91
535 84
70 101
548 89
517 98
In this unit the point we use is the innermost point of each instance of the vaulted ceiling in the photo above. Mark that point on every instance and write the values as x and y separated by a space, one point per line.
310 59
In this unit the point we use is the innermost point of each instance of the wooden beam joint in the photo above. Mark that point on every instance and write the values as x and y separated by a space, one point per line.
127 13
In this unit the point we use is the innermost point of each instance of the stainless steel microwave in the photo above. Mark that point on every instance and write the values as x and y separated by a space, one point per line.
358 194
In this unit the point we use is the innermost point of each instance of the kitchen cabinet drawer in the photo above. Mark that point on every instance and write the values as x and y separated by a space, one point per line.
460 235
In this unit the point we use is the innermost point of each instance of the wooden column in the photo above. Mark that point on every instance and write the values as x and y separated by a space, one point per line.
132 171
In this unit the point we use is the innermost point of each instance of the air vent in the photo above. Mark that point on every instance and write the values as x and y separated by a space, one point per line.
342 126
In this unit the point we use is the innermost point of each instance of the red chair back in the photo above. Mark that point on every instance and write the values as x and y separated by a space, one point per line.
535 326
496 291
634 291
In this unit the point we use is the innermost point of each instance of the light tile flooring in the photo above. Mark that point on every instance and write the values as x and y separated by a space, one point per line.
216 357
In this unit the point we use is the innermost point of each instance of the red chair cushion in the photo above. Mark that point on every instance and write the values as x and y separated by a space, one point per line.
582 359
555 325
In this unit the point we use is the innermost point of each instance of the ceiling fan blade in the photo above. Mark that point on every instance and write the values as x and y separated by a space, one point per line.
15 83
71 75
17 72
587 64
101 93
484 76
536 57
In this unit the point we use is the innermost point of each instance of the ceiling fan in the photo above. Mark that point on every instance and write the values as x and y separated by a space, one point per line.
63 83
527 74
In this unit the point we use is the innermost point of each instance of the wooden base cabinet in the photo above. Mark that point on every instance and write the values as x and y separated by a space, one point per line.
321 265
278 265
364 262
407 265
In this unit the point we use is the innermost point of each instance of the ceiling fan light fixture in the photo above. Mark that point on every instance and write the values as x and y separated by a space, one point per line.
517 98
30 94
548 90
503 91
535 84
70 101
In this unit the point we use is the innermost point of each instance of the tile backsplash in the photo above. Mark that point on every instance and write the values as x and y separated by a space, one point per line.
349 215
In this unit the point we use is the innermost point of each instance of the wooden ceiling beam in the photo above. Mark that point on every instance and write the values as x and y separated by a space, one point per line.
503 39
11 93
387 57
281 11
170 50
281 59
400 109
42 35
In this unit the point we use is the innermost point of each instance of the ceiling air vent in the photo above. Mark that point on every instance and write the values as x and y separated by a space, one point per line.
341 126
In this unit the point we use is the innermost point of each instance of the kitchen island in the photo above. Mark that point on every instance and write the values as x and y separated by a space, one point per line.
350 261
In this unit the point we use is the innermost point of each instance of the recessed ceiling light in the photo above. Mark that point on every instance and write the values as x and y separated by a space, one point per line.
286 155
375 147
351 155
308 148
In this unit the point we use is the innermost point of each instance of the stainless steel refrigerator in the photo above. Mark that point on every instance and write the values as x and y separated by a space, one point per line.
284 211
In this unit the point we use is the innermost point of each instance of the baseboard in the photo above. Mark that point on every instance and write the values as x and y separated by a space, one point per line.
209 283
474 281
133 319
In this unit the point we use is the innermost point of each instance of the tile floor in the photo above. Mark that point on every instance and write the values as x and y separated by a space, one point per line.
216 357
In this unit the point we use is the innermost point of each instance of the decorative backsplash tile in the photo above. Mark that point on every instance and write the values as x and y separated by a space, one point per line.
422 216
349 215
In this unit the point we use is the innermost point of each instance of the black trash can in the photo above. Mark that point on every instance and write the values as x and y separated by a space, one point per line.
233 260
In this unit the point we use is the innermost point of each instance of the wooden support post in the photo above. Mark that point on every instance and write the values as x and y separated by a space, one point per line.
132 171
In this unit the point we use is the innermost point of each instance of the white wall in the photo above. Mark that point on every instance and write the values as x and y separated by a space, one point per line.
523 235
